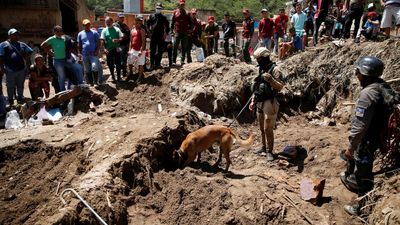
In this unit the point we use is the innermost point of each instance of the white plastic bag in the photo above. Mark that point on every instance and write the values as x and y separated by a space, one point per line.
199 54
12 120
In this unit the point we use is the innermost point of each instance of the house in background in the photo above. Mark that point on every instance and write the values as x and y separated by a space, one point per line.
35 19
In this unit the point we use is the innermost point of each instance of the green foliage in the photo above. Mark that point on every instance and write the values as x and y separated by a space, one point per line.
234 7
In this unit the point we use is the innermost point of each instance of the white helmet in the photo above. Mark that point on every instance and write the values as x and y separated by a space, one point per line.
261 52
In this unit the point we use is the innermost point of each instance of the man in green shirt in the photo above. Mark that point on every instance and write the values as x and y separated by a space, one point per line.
111 37
56 46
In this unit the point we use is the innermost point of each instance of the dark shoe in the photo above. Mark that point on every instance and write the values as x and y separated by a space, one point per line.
343 156
270 157
356 40
353 210
139 79
349 182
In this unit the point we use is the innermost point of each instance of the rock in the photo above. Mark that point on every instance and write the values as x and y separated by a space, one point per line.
311 190
114 104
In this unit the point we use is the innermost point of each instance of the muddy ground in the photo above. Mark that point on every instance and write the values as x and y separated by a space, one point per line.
118 156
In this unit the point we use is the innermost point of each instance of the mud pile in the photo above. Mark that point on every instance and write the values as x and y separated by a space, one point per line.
217 87
323 78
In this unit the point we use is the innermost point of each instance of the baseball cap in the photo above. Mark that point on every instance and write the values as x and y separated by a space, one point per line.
370 5
227 14
264 10
38 56
121 15
12 31
159 6
372 14
85 21
139 17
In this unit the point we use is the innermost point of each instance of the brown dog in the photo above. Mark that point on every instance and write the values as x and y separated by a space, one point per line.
203 138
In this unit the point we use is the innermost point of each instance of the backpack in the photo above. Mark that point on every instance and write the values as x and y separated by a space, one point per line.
390 139
262 89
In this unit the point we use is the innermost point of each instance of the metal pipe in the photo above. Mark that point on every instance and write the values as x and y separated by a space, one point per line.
83 201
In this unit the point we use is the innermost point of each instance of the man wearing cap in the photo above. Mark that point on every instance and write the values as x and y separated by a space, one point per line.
194 34
57 46
13 56
265 29
371 8
247 34
264 90
138 47
229 30
39 78
124 44
110 37
181 24
370 119
391 10
211 33
158 27
89 44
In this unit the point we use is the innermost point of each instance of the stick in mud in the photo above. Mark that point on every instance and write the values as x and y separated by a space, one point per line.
297 208
90 148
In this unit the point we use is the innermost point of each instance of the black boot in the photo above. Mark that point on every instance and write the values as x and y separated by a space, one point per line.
89 79
96 78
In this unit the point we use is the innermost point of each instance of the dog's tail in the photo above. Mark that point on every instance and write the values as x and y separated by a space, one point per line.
243 143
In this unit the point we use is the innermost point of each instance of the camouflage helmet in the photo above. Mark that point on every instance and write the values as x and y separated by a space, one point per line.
261 52
370 66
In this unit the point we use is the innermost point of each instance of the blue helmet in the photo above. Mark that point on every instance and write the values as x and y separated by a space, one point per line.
370 66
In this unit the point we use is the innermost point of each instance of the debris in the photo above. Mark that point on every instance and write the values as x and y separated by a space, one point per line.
289 151
90 148
54 114
311 190
159 107
283 163
114 104
10 197
297 208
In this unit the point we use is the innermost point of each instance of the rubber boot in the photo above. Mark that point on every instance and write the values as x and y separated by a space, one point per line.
96 78
89 79
270 143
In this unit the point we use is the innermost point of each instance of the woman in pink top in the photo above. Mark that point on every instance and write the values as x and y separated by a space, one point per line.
138 47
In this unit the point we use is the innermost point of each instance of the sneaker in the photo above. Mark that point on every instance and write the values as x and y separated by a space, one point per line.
270 157
352 209
261 151
356 40
349 182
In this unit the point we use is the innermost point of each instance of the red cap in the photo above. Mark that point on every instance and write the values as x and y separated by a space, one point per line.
182 2
210 18
372 14
194 11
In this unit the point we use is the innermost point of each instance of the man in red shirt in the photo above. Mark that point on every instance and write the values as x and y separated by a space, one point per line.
280 24
194 34
248 30
181 24
265 29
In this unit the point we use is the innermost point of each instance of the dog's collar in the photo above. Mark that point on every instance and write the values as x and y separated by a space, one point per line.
181 153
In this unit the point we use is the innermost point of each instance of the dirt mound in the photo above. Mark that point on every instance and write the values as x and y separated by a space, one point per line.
322 78
218 87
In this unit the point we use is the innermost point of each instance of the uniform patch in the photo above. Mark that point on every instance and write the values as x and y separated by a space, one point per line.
360 112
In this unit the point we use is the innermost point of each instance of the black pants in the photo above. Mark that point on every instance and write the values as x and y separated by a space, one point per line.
318 21
168 47
192 41
355 13
114 61
156 50
226 48
124 58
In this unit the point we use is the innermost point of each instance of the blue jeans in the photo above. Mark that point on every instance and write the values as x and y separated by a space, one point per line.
266 42
276 42
60 65
92 64
15 79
